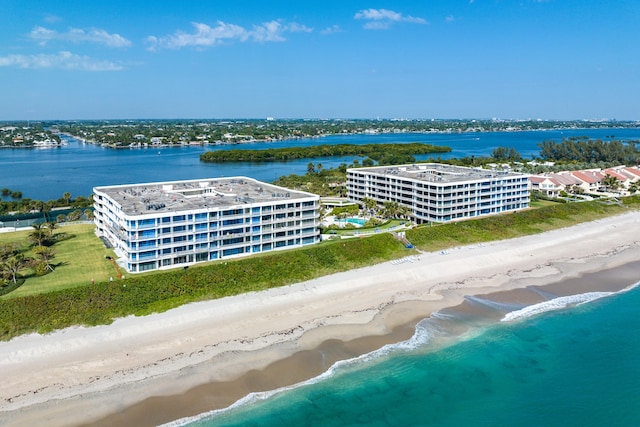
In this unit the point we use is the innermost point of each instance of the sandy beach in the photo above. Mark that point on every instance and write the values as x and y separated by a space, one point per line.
154 369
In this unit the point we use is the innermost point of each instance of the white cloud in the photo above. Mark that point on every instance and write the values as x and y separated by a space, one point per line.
267 32
298 28
381 19
332 30
449 19
205 35
62 60
77 35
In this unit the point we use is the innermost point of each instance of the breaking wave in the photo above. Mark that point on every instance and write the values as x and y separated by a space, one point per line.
554 304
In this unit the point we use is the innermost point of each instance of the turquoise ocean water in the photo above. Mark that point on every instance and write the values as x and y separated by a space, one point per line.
569 361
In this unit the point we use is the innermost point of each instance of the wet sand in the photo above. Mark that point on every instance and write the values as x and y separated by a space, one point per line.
147 371
308 364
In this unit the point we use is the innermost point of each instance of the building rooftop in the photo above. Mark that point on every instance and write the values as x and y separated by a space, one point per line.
174 196
437 172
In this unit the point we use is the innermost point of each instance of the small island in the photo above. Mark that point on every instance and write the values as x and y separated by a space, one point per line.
381 153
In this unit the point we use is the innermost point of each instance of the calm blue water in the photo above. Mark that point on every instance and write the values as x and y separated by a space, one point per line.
578 366
356 221
46 174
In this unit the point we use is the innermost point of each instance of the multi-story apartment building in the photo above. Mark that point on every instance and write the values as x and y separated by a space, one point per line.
440 193
171 224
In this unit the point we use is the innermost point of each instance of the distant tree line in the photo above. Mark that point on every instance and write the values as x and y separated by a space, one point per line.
590 151
25 205
380 153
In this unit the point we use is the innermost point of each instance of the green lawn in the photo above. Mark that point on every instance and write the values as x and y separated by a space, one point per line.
541 203
78 259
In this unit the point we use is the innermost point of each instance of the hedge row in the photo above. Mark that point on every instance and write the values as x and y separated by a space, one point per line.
139 295
513 225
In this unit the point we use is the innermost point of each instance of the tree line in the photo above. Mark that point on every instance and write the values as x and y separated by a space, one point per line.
24 205
378 152
590 151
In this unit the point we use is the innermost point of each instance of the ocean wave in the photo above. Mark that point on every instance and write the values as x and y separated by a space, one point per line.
420 337
554 304
495 305
425 330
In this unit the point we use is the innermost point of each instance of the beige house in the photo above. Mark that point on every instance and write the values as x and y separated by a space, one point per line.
589 180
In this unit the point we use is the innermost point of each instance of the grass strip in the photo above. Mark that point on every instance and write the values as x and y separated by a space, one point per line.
517 224
140 295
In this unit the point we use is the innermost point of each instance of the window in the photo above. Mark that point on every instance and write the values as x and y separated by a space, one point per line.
233 241
234 251
232 212
147 233
145 266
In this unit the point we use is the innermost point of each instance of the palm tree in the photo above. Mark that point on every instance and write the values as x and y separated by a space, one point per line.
45 255
51 226
7 250
404 212
369 204
610 182
38 236
67 197
390 209
12 266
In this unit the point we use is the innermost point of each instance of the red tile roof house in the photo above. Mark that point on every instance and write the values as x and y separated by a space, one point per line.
553 184
623 180
590 178
633 172
545 185
567 180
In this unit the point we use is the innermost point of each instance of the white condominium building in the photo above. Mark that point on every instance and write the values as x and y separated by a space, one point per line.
440 193
174 224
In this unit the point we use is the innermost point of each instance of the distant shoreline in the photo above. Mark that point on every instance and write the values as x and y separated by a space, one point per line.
377 132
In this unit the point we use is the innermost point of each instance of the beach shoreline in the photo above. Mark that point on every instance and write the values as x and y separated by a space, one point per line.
124 372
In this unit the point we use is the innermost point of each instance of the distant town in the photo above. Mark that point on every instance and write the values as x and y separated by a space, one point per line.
145 133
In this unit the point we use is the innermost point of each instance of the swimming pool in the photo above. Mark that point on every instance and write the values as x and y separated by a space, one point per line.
354 221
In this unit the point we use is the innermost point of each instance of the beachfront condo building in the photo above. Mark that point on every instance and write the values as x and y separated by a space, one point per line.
436 192
175 224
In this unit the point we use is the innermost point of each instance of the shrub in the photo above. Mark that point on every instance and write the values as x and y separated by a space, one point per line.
103 302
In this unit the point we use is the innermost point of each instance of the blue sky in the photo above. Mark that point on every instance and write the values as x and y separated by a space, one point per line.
548 59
